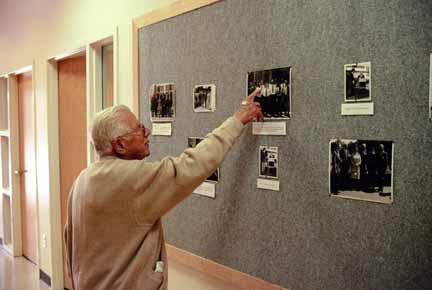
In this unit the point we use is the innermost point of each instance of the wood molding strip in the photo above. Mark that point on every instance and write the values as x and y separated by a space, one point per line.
239 279
172 10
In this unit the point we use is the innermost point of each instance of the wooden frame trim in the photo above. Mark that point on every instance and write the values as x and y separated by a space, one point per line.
174 9
56 232
171 10
238 279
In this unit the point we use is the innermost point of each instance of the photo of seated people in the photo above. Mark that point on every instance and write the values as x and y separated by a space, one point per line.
275 91
162 101
268 161
357 82
204 98
361 168
194 141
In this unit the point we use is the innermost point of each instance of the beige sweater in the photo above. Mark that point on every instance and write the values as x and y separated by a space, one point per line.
113 232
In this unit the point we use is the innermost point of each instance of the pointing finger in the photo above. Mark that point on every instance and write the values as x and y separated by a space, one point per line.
252 96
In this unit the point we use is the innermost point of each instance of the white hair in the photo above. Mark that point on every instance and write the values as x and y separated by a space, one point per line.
108 125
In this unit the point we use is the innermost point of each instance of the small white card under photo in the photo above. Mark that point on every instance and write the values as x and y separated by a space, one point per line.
204 98
355 109
207 189
268 184
161 129
269 128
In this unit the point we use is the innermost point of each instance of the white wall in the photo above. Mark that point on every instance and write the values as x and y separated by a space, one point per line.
31 31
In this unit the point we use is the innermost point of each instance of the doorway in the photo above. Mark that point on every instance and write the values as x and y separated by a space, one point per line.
27 169
72 110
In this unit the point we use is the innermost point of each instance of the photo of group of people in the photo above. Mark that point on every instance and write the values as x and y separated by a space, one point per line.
361 169
358 82
275 98
204 98
162 102
268 167
194 141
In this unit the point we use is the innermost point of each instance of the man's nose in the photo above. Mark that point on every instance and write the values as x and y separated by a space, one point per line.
146 132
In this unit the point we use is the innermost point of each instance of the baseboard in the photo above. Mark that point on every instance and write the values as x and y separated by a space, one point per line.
45 277
238 279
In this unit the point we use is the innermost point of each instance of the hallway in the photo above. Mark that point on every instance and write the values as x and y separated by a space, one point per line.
20 274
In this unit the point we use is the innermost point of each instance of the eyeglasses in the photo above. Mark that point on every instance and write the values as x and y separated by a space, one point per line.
141 130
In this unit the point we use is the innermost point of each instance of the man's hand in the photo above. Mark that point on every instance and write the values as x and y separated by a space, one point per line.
250 110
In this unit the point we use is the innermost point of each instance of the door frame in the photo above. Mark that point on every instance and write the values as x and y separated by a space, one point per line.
14 143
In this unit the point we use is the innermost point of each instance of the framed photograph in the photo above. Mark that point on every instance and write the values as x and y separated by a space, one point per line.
268 162
162 102
204 98
275 87
194 141
361 169
430 88
358 82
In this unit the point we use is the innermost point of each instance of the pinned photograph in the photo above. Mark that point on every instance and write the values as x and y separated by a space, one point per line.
430 88
361 169
268 158
194 141
358 82
204 98
275 98
162 102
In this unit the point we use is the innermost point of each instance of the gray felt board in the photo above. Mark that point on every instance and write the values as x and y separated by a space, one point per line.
300 237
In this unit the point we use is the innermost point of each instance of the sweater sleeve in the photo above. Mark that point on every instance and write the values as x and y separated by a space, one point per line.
176 177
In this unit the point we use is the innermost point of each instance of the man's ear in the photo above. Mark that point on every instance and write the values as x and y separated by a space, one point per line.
118 146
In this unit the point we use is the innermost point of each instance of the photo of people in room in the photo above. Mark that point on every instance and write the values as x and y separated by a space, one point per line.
358 82
275 98
192 142
268 167
204 98
162 102
361 169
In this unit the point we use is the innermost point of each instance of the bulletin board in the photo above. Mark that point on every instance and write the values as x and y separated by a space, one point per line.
300 237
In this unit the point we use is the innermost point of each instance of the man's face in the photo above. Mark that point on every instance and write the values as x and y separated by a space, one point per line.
133 144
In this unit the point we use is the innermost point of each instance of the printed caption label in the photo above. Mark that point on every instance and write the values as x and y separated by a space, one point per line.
206 189
161 129
269 128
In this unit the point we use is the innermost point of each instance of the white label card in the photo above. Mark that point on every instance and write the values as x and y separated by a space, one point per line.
161 129
269 128
357 109
268 184
207 189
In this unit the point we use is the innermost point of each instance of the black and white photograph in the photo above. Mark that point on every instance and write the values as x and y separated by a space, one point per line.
204 98
358 82
194 141
268 159
275 98
430 88
162 102
361 169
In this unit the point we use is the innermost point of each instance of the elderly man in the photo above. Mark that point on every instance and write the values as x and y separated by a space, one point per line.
114 236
